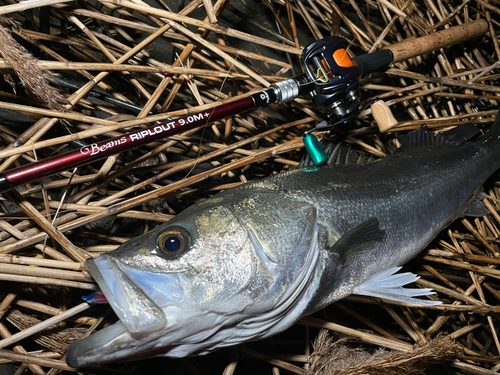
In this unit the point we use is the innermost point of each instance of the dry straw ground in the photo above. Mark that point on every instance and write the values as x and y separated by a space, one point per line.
96 69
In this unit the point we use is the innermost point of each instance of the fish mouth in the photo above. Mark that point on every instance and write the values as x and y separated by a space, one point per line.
139 298
136 310
97 347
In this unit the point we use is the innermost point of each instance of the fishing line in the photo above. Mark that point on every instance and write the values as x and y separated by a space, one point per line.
208 121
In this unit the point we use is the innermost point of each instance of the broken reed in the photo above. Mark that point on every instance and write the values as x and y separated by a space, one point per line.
60 222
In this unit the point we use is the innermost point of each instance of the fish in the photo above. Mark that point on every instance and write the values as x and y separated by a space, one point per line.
249 262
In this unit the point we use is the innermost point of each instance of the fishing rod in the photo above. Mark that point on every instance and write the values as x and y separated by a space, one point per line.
331 79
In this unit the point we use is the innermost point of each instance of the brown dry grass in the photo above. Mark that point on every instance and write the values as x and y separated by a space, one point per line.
107 47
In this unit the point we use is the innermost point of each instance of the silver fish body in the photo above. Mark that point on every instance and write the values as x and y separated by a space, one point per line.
254 259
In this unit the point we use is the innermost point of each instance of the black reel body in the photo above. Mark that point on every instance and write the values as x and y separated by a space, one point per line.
335 77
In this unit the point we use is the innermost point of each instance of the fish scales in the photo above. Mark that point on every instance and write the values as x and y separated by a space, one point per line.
413 195
249 262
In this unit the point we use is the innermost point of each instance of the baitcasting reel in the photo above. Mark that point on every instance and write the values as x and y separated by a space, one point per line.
331 79
335 92
335 77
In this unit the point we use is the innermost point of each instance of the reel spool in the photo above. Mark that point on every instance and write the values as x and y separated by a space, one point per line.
335 77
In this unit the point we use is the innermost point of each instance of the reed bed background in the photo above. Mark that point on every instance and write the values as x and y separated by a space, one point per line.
77 72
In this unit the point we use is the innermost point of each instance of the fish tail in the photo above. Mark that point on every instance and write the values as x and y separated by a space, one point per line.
494 131
491 139
490 143
495 128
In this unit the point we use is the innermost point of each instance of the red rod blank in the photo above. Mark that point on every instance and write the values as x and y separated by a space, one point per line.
96 151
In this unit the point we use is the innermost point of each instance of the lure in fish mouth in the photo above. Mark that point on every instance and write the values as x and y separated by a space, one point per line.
249 262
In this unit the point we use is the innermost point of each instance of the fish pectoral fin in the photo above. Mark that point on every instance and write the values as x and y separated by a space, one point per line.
477 208
359 240
389 285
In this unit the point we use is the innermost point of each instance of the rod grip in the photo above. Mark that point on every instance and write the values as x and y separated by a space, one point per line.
456 34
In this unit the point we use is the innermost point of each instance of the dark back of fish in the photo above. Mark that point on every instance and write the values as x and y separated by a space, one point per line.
413 194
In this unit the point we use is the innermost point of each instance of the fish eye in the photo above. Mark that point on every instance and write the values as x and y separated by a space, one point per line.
173 242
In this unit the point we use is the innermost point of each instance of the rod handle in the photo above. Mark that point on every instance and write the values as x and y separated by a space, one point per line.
410 48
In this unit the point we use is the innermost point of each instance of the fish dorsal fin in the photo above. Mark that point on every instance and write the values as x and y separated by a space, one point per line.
461 134
339 154
389 285
424 137
359 240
